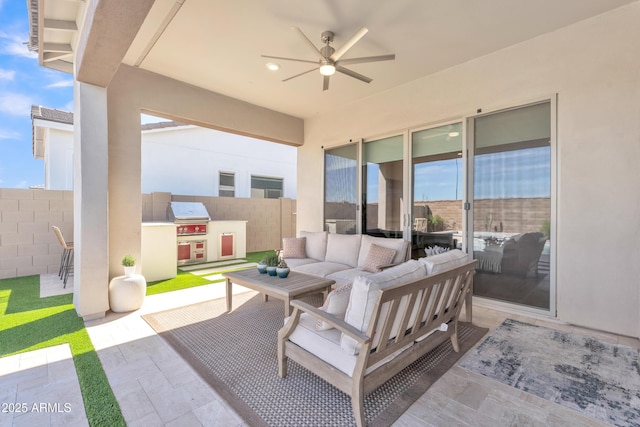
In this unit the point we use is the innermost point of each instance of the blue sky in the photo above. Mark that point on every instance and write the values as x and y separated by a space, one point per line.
23 83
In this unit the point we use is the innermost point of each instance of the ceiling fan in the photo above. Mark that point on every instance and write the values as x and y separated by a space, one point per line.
329 61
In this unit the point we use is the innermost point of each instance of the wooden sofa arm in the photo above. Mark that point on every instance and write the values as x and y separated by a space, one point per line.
340 325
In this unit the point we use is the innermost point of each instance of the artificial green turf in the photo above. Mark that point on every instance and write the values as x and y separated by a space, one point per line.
185 279
30 322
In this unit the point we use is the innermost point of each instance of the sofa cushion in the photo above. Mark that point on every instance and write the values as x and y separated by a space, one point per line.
336 304
321 269
294 247
399 245
364 294
377 257
343 248
326 346
344 277
444 261
323 344
293 263
316 246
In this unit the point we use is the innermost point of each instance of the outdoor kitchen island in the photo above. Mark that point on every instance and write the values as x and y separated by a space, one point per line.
161 244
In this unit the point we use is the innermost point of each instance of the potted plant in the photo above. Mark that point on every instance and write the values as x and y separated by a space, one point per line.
129 264
271 260
282 270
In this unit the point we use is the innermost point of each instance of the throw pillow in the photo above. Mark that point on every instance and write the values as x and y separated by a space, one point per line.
293 247
336 304
377 257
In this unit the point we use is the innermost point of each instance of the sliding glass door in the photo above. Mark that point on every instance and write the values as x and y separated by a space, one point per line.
341 189
383 187
483 185
437 166
512 205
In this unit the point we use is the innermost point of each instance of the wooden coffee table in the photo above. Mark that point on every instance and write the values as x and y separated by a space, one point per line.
296 285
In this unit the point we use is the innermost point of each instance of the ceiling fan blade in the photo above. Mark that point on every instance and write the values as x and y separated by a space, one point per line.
311 45
366 59
353 74
298 75
349 44
325 83
289 59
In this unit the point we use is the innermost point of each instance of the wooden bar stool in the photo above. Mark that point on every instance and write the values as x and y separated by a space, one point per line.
66 261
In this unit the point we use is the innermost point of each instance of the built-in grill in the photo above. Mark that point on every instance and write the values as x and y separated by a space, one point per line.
191 219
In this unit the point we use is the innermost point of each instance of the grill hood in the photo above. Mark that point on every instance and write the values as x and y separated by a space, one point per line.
183 212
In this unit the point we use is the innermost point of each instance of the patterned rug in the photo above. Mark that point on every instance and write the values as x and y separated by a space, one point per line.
597 379
236 353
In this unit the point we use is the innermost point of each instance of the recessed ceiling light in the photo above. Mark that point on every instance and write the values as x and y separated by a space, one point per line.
454 134
273 66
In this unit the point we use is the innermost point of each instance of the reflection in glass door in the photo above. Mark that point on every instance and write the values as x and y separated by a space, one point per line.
437 189
512 205
383 186
340 189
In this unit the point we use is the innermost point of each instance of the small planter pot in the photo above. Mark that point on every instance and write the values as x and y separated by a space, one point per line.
262 268
271 271
282 272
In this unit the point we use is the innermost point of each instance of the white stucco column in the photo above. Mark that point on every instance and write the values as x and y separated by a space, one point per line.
90 197
125 182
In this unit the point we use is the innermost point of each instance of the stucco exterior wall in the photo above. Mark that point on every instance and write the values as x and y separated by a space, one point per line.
185 160
593 66
188 160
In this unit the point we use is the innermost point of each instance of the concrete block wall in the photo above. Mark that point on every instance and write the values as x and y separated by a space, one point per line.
29 246
27 242
517 215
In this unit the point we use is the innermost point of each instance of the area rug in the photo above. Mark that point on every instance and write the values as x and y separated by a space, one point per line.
595 378
236 353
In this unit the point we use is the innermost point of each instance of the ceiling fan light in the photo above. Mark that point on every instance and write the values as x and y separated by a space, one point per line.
327 69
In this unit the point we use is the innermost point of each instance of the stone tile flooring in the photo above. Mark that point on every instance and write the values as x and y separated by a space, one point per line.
155 387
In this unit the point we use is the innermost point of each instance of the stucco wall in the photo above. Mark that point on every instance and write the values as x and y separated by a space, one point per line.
593 66
188 160
184 160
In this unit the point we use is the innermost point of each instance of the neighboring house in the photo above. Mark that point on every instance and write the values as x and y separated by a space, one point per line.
177 158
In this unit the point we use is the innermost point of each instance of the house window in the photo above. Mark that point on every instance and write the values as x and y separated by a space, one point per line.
266 188
227 187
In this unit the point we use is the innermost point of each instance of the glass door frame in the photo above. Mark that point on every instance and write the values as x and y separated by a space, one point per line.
468 231
405 222
409 176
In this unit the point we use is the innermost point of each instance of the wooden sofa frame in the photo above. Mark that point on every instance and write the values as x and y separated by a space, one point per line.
449 287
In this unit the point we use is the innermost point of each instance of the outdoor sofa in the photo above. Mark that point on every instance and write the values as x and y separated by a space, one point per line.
342 257
368 331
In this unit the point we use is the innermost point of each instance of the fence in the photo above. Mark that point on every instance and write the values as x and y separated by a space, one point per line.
29 246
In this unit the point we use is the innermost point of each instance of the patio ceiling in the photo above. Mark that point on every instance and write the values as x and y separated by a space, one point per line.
217 45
